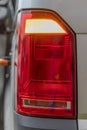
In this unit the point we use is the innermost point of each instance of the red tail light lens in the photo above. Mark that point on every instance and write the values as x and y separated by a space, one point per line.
46 66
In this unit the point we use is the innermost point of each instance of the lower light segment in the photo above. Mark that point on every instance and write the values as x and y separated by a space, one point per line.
47 104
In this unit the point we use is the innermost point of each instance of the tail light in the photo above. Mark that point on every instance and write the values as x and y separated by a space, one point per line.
45 71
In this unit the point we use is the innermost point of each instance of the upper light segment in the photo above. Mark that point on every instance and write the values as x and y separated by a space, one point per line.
43 26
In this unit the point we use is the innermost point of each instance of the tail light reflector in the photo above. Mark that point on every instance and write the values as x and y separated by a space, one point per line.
45 71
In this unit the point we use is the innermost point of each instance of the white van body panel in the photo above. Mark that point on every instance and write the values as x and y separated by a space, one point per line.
82 73
82 125
82 80
74 12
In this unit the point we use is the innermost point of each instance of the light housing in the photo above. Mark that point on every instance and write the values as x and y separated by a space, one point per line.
45 71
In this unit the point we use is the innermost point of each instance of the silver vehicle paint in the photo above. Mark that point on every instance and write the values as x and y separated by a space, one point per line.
75 14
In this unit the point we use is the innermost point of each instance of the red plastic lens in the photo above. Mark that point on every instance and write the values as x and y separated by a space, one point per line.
46 67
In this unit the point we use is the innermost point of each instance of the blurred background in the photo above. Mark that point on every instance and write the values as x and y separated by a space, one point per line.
6 20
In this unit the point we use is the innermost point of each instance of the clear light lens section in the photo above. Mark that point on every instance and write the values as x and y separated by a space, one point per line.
43 26
47 104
